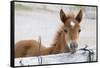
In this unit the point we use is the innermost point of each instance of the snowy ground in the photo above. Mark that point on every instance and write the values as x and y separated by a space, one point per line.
45 22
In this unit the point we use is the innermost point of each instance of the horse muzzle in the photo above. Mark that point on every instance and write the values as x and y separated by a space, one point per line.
73 46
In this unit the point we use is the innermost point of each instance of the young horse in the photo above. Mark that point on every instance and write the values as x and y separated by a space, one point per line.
66 39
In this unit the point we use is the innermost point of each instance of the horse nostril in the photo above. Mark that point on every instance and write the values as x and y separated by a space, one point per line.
76 46
73 46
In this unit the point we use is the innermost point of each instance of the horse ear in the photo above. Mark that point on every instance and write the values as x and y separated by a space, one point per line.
62 16
79 16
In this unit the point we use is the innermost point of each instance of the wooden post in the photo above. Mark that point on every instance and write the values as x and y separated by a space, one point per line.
39 57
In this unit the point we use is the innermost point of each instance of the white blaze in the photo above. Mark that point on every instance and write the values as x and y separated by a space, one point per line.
72 23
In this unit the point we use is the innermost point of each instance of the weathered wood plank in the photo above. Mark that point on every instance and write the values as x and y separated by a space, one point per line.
78 56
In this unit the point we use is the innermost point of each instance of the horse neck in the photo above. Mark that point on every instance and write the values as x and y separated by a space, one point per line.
60 43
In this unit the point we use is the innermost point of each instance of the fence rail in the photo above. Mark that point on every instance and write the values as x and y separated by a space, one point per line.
81 55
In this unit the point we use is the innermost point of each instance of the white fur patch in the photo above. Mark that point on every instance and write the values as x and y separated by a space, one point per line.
72 23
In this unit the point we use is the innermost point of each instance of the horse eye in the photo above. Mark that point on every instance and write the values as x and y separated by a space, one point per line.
79 30
65 30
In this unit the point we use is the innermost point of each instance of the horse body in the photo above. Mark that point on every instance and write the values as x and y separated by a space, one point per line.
64 41
29 48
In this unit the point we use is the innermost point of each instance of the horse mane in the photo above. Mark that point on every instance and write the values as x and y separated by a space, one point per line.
58 34
70 16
